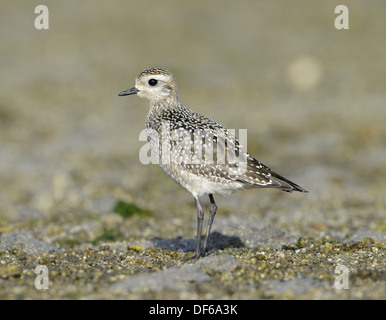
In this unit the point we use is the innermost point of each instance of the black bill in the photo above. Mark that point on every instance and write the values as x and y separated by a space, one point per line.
128 91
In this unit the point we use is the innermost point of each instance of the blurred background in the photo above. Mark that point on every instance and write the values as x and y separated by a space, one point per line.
312 98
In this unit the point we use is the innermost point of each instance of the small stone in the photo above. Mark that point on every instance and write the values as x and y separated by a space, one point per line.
136 248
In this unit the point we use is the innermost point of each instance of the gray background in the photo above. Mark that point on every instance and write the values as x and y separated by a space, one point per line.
312 98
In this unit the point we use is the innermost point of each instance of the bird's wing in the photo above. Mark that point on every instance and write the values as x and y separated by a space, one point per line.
205 148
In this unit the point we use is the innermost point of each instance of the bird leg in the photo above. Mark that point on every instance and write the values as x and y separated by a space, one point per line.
212 211
200 219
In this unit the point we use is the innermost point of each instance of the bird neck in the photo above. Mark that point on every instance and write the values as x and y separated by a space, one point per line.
171 102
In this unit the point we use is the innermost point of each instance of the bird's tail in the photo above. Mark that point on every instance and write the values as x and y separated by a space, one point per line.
285 184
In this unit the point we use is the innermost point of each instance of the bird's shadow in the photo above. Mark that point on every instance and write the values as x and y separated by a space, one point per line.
216 241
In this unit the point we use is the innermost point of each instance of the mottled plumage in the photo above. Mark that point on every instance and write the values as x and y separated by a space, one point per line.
198 153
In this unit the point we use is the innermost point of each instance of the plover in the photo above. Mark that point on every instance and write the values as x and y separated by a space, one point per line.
198 153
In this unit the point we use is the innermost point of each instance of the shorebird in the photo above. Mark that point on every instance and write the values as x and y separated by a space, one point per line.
198 153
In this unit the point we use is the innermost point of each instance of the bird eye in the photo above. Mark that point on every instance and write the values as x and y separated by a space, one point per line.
153 82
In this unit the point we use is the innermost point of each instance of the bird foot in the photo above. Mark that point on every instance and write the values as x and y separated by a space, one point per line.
195 256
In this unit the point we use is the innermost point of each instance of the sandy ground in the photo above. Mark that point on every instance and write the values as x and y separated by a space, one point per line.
311 97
